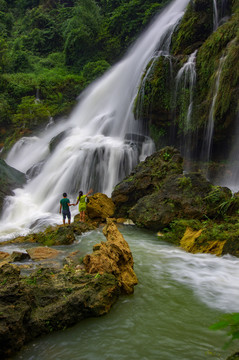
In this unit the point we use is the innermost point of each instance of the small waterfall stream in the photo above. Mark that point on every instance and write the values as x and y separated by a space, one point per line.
219 13
209 129
185 83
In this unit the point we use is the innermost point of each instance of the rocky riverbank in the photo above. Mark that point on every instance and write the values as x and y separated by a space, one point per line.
52 298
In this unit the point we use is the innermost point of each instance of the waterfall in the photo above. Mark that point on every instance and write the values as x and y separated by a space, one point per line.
219 13
185 82
215 15
230 177
209 129
94 147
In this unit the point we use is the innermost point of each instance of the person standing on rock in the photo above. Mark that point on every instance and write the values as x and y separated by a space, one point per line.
64 207
81 200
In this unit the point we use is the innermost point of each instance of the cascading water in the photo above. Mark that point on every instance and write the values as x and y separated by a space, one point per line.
209 129
185 83
230 177
219 13
93 148
215 15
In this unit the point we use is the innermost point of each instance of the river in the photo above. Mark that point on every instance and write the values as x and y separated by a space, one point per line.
179 295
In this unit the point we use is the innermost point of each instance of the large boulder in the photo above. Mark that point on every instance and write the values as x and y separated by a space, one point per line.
145 179
113 257
100 207
10 179
158 192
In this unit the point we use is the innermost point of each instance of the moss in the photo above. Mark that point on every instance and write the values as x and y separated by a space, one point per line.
175 231
194 28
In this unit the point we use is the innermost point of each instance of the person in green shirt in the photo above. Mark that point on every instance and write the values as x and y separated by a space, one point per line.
81 200
64 207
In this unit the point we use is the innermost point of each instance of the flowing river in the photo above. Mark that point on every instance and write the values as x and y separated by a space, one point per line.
179 295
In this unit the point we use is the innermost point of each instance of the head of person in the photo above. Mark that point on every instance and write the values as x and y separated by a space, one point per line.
64 194
80 193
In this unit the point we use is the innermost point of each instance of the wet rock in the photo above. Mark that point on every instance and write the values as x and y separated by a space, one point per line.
146 178
113 257
3 255
42 253
100 207
234 356
52 299
18 256
157 192
10 179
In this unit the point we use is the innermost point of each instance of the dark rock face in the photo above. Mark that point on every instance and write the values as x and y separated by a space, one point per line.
48 300
158 192
10 179
146 178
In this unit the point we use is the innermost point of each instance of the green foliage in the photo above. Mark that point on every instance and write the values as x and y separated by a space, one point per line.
231 323
185 182
92 70
195 27
80 32
30 113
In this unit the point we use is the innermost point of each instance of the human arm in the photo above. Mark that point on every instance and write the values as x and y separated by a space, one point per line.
60 208
89 192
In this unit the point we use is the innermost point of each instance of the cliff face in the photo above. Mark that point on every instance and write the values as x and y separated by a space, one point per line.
182 93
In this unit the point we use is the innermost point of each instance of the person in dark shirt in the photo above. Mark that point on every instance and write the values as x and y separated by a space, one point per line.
64 207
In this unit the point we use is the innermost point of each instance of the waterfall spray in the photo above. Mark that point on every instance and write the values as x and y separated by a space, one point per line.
209 129
185 82
92 148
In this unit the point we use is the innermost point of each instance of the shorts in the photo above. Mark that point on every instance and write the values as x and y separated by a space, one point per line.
66 213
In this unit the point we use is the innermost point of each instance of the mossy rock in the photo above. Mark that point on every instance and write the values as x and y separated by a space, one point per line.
195 27
10 179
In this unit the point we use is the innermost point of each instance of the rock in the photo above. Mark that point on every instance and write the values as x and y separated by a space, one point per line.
42 253
51 299
10 179
190 244
234 356
18 256
100 207
146 178
3 255
157 193
113 257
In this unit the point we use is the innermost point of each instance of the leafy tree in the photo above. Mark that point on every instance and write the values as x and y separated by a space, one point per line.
30 113
92 70
80 32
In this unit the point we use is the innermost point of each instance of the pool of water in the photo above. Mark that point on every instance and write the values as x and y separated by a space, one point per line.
179 295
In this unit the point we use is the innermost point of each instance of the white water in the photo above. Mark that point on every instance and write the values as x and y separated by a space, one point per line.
215 15
208 133
219 13
230 177
93 152
186 79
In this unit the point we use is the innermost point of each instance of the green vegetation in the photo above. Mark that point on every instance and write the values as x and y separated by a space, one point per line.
230 322
50 50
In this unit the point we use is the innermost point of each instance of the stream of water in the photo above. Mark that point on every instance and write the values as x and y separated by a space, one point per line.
179 295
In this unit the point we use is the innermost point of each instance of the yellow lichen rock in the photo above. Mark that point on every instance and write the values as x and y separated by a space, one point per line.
189 243
188 240
100 206
114 257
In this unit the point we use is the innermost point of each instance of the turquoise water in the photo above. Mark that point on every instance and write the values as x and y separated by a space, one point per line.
178 297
